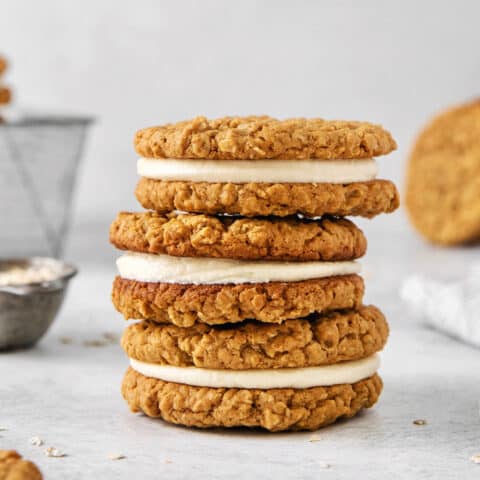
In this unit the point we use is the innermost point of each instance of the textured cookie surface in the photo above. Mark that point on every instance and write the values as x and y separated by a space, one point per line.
365 199
274 410
263 138
240 238
187 305
318 340
13 467
443 179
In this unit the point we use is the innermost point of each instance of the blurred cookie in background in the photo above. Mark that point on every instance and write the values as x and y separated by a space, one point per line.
443 177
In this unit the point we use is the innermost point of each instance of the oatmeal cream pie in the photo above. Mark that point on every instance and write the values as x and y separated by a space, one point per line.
301 375
260 166
14 467
188 269
275 399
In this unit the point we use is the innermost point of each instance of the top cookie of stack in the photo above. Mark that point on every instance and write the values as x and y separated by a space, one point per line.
257 166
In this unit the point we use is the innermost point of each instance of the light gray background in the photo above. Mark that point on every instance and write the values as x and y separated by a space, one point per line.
133 64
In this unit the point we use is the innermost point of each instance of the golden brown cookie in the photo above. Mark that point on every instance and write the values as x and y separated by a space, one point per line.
13 467
187 305
365 199
5 95
318 340
264 138
443 177
239 238
275 409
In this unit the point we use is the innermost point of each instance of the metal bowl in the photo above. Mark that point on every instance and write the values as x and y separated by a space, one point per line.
28 310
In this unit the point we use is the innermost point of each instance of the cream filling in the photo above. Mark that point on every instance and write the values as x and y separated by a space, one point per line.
337 374
146 267
258 171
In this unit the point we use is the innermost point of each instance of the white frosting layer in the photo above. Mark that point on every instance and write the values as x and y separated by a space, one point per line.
258 171
145 267
339 373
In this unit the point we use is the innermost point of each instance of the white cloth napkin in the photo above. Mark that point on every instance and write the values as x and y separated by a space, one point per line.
452 307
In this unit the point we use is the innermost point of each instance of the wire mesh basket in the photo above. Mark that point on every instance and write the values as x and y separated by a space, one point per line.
39 158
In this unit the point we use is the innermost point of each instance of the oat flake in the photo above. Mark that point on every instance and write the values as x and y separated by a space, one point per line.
36 441
54 452
420 421
116 456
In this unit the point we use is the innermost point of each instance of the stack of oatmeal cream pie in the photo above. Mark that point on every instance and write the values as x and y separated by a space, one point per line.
243 276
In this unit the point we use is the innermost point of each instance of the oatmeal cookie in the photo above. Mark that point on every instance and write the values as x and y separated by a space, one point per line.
274 409
365 199
13 467
238 138
274 302
238 238
307 342
443 177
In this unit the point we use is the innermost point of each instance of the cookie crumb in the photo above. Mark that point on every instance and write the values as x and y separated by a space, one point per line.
314 438
167 461
66 340
475 458
419 422
54 452
116 456
36 441
94 343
